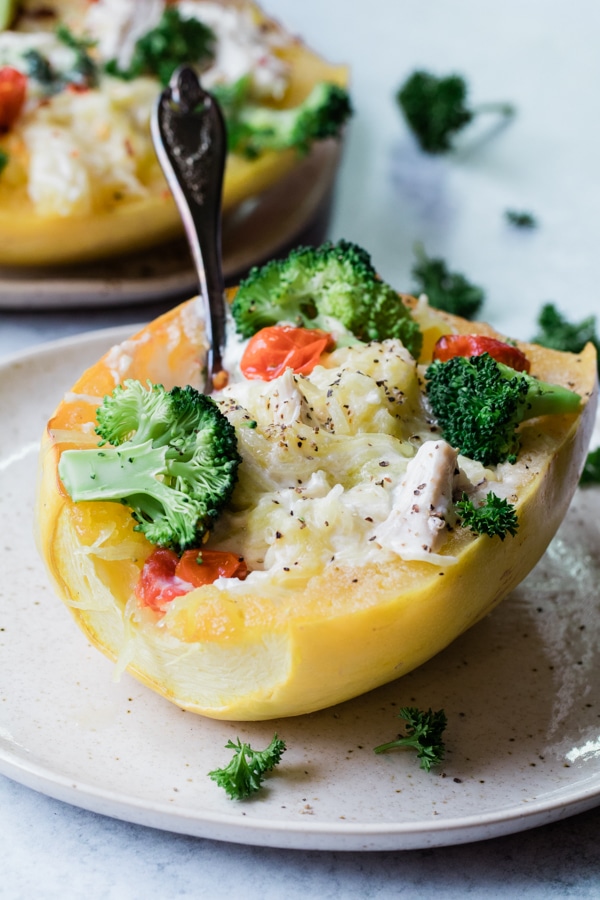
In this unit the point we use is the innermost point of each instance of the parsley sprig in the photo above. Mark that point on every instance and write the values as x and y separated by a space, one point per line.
495 517
423 733
446 290
520 219
556 332
245 772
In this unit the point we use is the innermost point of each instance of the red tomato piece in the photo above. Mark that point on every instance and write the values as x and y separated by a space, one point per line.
200 567
157 584
276 348
450 345
165 576
13 88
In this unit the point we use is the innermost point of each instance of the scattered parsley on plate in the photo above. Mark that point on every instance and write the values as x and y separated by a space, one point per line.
245 772
423 733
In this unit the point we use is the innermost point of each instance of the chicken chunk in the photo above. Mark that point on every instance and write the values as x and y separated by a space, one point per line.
422 505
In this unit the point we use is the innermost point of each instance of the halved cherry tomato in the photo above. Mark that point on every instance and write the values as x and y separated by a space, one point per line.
276 348
166 576
205 566
13 88
157 584
450 345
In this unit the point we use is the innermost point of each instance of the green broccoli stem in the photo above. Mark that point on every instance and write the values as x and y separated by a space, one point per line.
543 399
115 472
273 127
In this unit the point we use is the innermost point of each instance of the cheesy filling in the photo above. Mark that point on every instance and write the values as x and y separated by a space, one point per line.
342 466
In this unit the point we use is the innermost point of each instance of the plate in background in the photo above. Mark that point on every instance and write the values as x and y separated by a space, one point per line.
295 211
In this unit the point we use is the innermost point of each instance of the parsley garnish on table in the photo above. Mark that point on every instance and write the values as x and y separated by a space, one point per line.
520 219
558 333
445 290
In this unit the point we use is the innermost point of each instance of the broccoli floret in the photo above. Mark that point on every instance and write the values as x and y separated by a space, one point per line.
494 517
253 128
446 290
479 403
313 284
436 108
173 461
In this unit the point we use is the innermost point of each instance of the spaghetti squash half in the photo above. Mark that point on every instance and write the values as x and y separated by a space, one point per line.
332 603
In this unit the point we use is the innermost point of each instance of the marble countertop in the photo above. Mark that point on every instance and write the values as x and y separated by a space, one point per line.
543 57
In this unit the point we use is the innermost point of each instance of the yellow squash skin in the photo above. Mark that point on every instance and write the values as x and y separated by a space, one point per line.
294 647
30 239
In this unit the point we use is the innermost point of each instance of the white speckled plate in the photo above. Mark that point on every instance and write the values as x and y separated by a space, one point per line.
521 691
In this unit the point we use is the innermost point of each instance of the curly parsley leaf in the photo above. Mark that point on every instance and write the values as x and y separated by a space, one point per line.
557 333
446 290
423 733
245 772
496 517
84 70
520 219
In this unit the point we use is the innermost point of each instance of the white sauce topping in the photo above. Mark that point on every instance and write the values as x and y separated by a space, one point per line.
118 24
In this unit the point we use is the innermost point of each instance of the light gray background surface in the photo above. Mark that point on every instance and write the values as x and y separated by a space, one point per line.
542 56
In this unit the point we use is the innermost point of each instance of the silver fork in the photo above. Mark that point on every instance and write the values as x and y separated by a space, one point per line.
190 140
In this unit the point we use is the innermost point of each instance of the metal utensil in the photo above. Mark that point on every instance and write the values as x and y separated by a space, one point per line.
190 140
